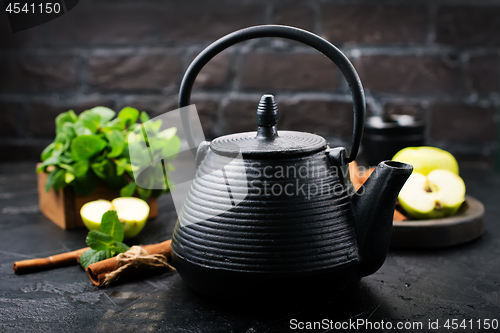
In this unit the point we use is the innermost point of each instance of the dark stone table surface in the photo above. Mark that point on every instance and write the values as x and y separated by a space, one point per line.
462 282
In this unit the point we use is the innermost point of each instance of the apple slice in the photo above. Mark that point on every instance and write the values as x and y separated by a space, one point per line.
437 195
92 212
133 213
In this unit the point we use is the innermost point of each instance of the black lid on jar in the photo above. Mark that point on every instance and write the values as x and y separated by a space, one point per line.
394 125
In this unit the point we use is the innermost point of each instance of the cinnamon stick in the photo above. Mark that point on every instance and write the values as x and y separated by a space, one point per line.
354 173
364 177
398 216
97 271
58 260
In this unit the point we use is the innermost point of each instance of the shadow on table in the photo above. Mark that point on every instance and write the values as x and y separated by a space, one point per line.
357 301
166 303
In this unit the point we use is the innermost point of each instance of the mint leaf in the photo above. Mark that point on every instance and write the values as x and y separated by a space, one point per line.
124 247
62 142
65 157
153 127
120 166
170 149
117 143
99 241
50 161
91 256
59 180
144 117
101 168
56 179
65 117
90 120
105 113
50 180
117 124
105 244
86 146
69 130
47 152
80 168
110 224
106 170
128 115
144 193
167 134
68 177
80 129
115 250
128 190
66 167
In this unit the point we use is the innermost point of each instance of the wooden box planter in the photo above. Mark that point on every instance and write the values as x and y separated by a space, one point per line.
63 207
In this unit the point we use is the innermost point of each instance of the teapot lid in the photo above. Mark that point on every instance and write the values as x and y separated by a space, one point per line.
267 141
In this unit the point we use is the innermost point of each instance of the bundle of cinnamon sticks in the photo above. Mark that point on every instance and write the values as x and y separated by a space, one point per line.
96 272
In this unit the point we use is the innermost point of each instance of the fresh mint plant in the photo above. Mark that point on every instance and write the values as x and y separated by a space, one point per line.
106 243
92 147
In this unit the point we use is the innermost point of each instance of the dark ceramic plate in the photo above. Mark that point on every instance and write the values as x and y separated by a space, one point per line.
466 225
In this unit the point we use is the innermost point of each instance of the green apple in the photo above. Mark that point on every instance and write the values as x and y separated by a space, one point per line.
426 159
437 195
132 213
92 213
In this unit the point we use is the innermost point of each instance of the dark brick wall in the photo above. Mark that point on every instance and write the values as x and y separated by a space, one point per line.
439 60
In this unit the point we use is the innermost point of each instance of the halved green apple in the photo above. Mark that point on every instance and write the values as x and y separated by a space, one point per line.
132 213
93 211
426 159
437 195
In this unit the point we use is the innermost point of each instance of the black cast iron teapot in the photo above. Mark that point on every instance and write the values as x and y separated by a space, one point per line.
275 210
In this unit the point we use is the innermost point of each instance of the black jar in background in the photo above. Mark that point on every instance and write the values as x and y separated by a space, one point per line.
384 137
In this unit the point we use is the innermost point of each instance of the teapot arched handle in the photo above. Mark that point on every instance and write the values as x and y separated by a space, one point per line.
299 35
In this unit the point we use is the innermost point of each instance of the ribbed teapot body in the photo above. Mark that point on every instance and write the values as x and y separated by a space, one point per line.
264 219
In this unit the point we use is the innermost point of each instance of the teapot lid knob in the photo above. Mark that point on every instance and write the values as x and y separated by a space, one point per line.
267 118
267 112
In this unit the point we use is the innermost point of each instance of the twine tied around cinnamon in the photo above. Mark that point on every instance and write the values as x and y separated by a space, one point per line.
137 257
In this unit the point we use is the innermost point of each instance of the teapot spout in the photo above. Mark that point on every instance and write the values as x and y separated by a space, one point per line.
373 210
